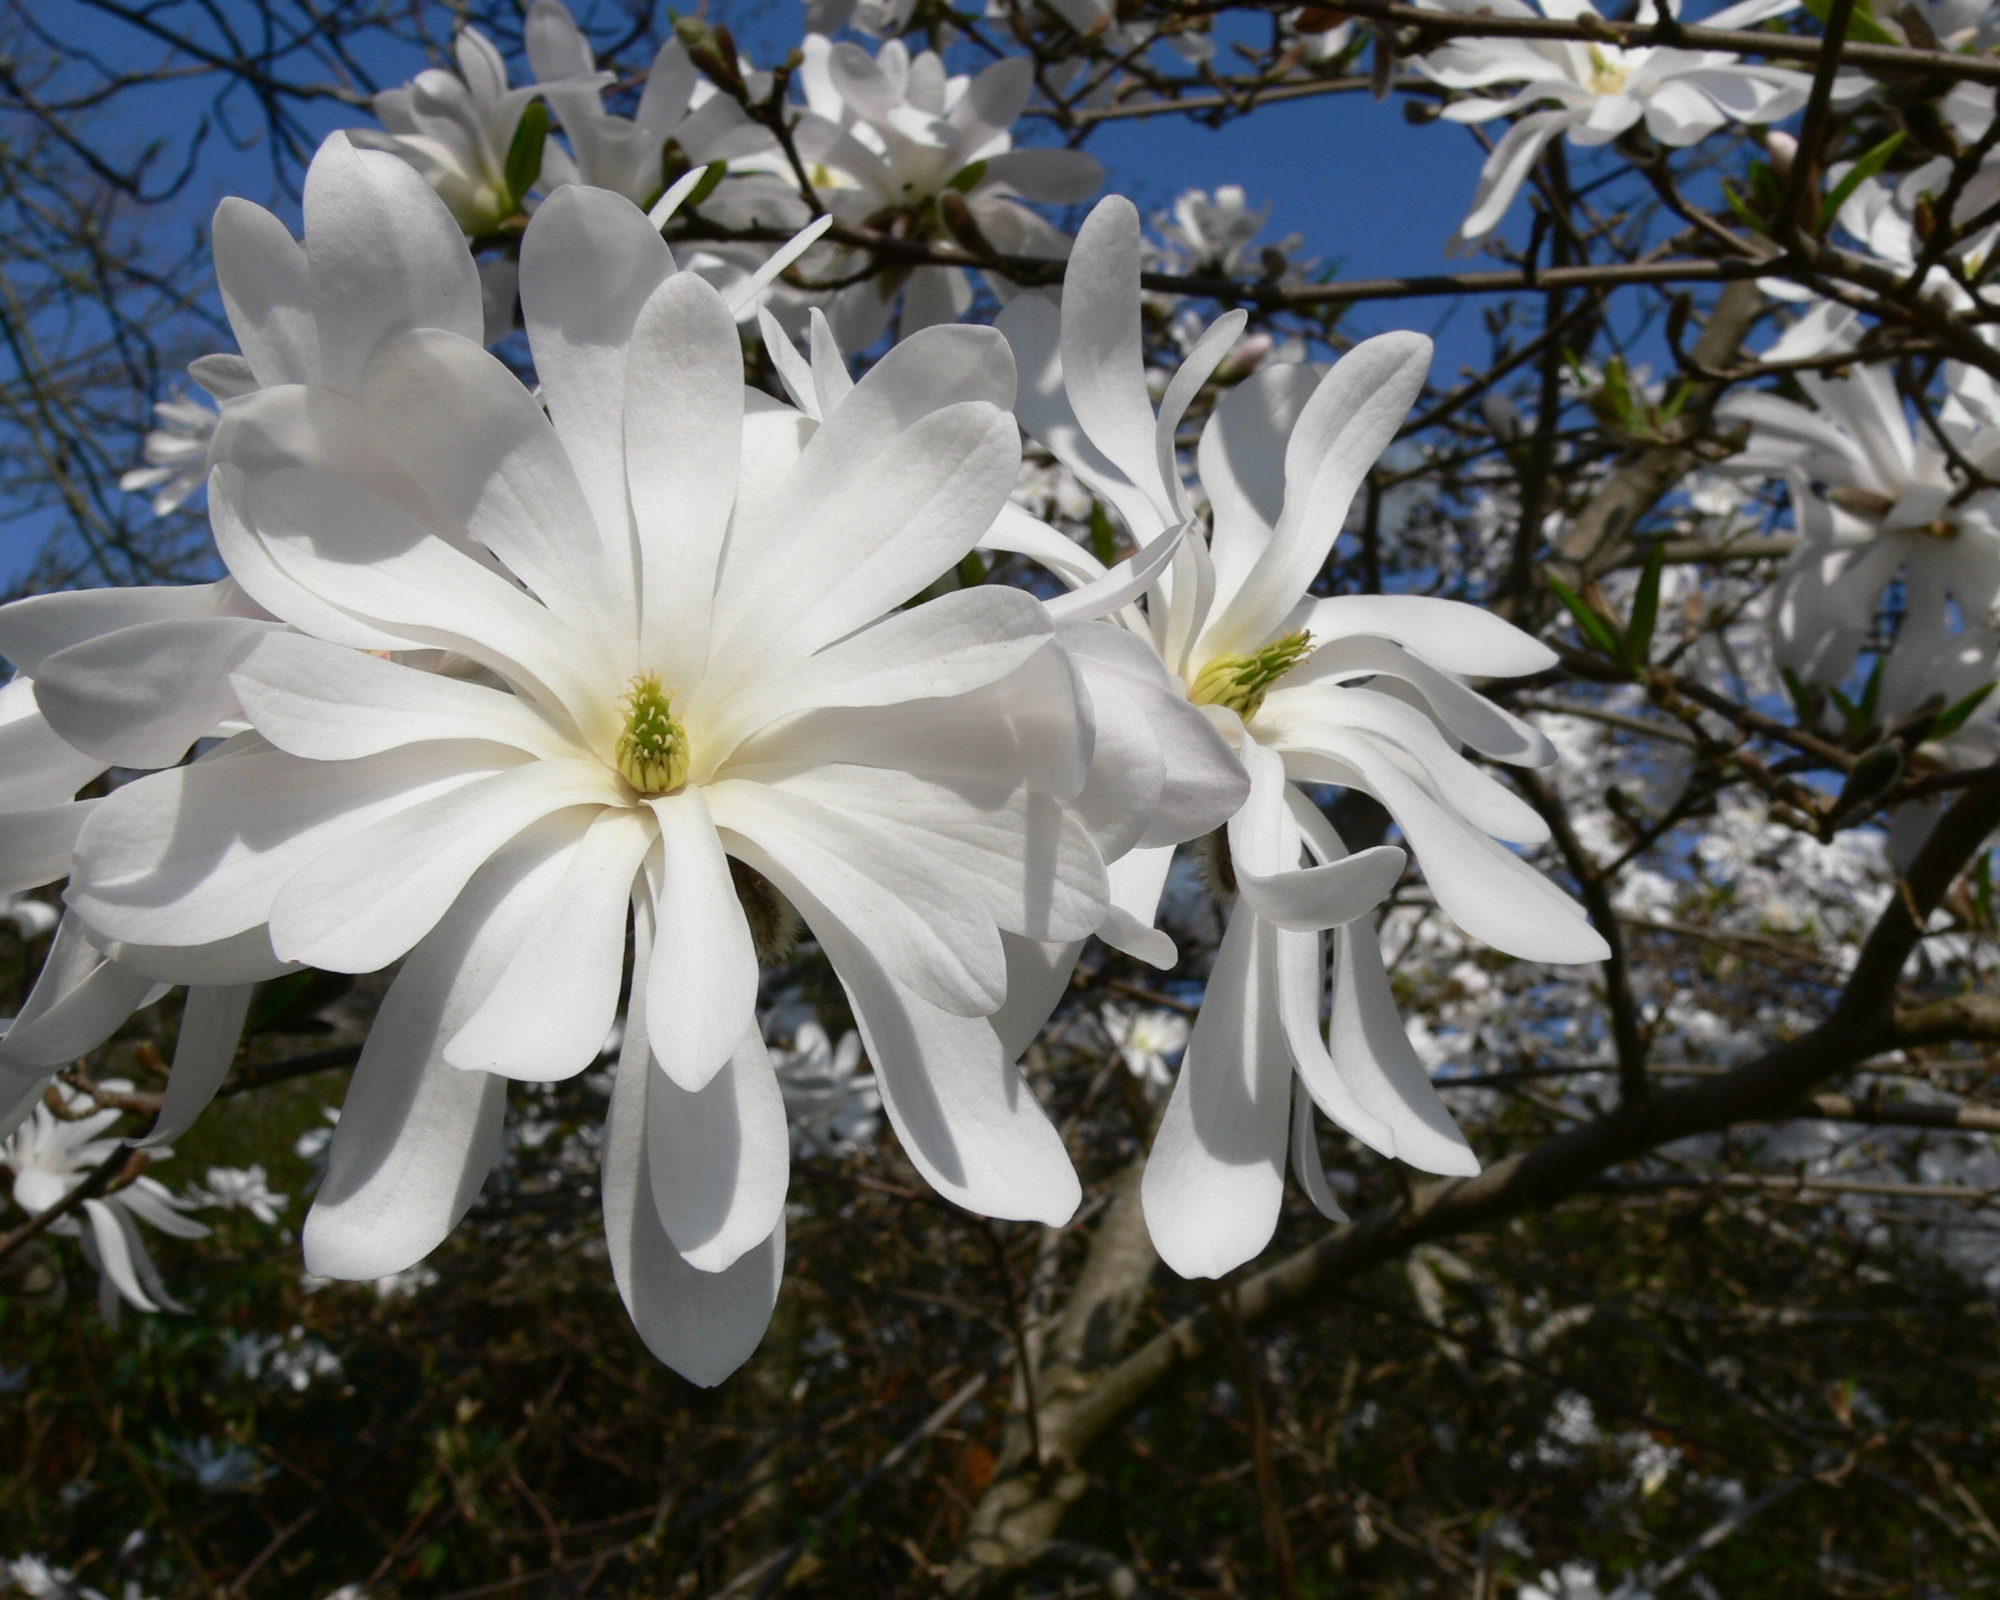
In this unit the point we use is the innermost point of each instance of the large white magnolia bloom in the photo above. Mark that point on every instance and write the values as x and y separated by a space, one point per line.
1358 691
50 1155
458 129
675 677
629 155
1873 498
1599 92
891 133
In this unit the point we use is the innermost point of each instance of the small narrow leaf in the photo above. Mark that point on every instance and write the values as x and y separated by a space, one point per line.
710 181
1862 170
524 155
1593 627
966 179
1861 25
1645 610
1955 715
1870 779
1871 696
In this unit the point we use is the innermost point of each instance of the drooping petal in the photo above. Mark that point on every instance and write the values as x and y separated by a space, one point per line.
266 288
1448 634
211 1028
79 1000
720 1158
967 1119
1375 1060
1215 1178
416 1136
702 1324
1306 1164
701 985
552 1009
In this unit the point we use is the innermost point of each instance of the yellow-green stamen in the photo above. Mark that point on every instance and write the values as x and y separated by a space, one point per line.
653 749
1241 682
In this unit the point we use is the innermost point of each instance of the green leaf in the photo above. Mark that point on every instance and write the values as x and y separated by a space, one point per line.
1872 694
1103 540
1862 25
1742 210
1872 775
710 180
1600 632
1955 716
966 179
1798 692
1645 610
1864 169
524 155
1982 890
971 571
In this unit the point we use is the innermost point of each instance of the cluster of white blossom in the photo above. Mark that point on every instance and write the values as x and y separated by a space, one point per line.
640 667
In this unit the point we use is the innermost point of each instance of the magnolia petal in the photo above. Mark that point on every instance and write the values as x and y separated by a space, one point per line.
701 985
1103 366
211 1028
1241 460
1372 1054
38 844
266 288
702 1324
1448 634
79 1000
720 1158
385 256
683 437
967 1119
141 696
550 1013
1345 426
378 891
325 702
246 957
1306 1164
1301 982
116 1250
416 1136
1469 715
35 628
1038 974
1215 1178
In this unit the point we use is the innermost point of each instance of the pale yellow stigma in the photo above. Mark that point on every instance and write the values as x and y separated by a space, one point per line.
1607 76
1241 682
653 749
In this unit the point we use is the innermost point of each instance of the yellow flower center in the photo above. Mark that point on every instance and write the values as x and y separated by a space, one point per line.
1241 682
1607 75
653 749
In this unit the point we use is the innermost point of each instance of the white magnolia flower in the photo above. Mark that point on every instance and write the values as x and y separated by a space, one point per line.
1212 237
1599 91
876 18
457 130
1330 44
690 690
240 1189
831 1104
50 1155
1359 691
32 919
217 1471
176 454
892 133
630 155
1145 1039
1873 498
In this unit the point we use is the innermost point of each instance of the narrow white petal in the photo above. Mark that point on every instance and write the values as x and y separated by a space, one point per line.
1306 1164
720 1158
701 985
1215 1179
548 1016
79 1000
211 1028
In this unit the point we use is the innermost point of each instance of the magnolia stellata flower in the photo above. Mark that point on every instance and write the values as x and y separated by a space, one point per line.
630 155
458 131
1873 498
891 133
876 18
51 1155
239 1189
688 689
1212 237
176 454
216 1471
832 1106
1145 1039
1359 691
1600 91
